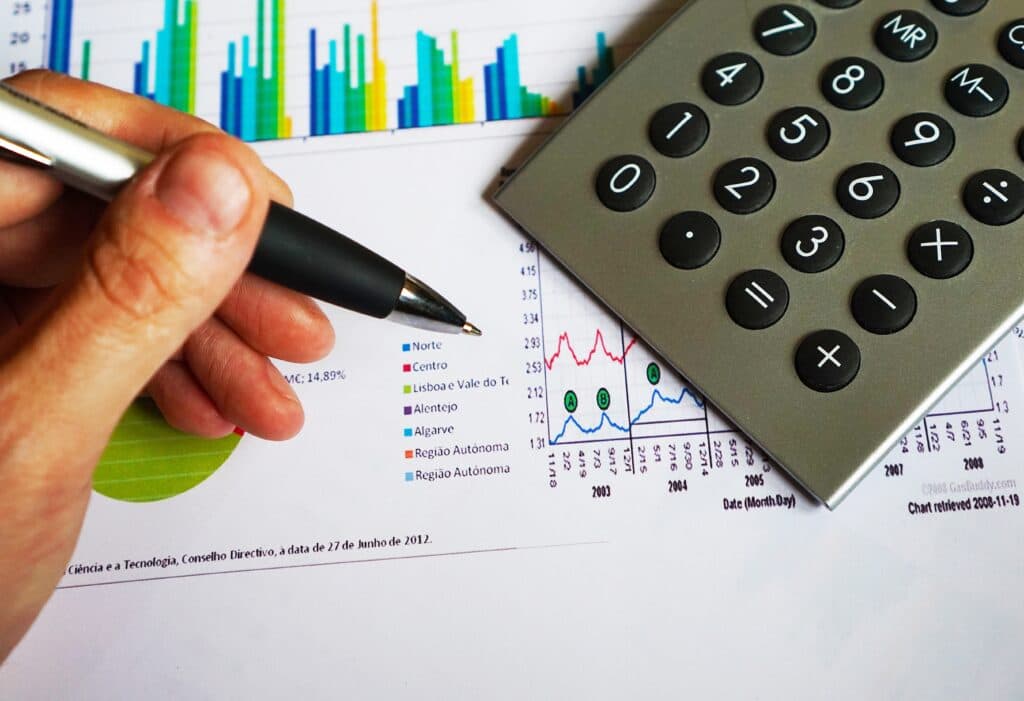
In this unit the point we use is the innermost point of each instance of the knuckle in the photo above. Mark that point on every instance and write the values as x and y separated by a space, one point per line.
135 275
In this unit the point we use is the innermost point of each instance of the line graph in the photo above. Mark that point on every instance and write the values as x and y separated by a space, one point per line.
565 344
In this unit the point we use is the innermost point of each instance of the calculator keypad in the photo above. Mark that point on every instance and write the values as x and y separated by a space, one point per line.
825 187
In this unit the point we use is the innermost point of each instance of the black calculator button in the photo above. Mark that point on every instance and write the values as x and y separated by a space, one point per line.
884 304
828 361
868 190
626 183
995 197
799 134
977 90
852 83
745 185
1011 43
757 299
785 30
923 139
690 240
733 78
838 4
959 8
813 244
679 130
906 36
940 250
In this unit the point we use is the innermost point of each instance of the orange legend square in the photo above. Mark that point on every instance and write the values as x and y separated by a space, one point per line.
408 455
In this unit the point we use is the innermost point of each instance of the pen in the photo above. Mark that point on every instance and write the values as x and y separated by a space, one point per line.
293 250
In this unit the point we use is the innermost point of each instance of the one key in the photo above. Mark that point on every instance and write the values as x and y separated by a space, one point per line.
977 90
868 190
757 299
828 361
745 185
785 30
852 83
679 130
940 250
959 8
732 79
923 139
626 183
799 133
1011 43
906 36
690 240
813 244
995 197
884 304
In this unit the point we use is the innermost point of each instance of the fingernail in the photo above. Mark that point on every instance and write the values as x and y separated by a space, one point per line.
281 385
204 191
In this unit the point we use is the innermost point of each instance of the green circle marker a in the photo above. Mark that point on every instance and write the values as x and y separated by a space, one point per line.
654 373
604 399
572 402
147 460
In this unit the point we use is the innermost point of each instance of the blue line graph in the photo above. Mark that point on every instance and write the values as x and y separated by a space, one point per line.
656 397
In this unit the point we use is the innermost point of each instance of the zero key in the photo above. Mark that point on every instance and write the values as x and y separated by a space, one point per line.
626 183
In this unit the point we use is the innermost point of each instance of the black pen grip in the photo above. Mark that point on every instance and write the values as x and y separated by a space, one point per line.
308 257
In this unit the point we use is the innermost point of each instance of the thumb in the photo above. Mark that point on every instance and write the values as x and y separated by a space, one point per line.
164 256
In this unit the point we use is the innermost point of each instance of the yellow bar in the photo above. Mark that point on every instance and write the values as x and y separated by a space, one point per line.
378 107
468 101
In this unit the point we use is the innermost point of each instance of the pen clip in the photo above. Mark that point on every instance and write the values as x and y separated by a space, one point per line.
23 155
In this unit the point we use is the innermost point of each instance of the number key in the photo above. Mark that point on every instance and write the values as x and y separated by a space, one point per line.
745 185
852 83
679 130
733 78
923 139
813 244
785 30
626 183
868 190
799 134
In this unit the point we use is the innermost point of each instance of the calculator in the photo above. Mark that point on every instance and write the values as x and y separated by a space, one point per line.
810 209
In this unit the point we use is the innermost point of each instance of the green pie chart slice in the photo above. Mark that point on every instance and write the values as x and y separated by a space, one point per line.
148 461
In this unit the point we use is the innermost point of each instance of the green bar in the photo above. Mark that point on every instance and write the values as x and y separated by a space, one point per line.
86 59
360 92
279 48
192 12
262 103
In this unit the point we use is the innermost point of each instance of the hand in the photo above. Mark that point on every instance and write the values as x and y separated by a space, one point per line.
98 304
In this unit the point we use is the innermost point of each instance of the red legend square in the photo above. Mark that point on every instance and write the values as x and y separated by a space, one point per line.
407 368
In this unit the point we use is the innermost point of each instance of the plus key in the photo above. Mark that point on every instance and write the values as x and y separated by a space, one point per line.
940 250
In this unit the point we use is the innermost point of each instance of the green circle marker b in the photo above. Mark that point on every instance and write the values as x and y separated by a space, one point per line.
604 399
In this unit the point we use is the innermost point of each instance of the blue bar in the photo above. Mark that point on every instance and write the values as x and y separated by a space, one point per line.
513 95
250 110
425 71
502 86
143 72
491 90
60 36
339 82
315 98
329 127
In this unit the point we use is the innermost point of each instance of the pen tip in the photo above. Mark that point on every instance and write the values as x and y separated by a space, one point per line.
471 330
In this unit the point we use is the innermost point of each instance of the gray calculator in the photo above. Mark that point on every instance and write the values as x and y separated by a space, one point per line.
810 209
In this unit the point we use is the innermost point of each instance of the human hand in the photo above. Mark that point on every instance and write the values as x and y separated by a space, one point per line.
99 303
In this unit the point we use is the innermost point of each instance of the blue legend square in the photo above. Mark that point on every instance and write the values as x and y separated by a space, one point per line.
408 433
406 347
410 477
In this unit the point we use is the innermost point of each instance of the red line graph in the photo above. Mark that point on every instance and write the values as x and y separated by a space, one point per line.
564 343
